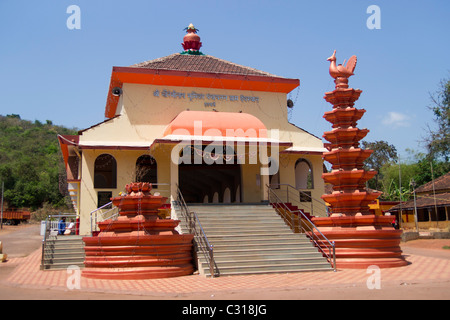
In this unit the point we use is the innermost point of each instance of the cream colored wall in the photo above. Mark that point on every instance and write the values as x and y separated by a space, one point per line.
144 117
250 190
287 176
143 107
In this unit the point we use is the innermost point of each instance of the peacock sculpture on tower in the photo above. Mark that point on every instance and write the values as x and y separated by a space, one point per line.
340 72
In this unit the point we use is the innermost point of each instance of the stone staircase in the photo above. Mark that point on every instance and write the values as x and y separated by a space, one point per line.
253 239
63 251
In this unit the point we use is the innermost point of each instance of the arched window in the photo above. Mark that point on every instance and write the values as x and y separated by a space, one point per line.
146 170
105 172
303 174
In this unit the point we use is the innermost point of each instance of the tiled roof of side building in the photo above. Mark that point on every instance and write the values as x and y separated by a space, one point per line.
200 63
441 183
425 201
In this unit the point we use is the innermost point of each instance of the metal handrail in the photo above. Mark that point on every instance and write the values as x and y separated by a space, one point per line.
48 228
200 239
104 215
294 195
309 228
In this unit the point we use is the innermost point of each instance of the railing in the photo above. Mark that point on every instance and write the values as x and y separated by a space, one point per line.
294 219
57 225
300 198
201 242
107 211
99 215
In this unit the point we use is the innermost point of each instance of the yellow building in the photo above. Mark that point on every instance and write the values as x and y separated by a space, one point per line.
217 130
430 204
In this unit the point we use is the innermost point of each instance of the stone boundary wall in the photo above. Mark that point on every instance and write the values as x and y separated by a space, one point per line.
408 236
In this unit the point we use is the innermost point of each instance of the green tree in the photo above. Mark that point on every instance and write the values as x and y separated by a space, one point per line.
30 162
438 140
420 168
396 182
383 154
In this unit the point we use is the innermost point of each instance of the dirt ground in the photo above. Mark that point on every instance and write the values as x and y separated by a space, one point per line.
20 241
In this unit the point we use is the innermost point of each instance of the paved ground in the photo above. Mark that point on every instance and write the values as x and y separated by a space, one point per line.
426 277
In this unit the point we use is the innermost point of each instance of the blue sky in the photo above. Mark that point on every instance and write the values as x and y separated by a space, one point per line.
48 72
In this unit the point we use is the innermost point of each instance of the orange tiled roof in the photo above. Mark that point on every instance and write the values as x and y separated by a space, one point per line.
200 63
441 183
203 71
425 201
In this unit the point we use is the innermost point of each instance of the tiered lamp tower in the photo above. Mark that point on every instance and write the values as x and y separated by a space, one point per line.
362 239
138 244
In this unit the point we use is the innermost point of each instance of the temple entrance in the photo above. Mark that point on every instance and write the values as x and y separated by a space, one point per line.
214 183
210 182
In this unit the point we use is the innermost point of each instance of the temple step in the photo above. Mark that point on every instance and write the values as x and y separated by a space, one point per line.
63 252
253 239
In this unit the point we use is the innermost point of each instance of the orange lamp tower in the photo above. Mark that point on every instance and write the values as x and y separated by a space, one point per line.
362 239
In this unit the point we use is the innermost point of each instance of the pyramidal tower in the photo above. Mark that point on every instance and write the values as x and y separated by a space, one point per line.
362 239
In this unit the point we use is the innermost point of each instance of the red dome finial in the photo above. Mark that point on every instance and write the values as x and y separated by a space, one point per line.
191 41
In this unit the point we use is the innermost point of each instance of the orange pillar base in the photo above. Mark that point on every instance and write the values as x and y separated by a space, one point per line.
138 273
138 244
138 256
363 241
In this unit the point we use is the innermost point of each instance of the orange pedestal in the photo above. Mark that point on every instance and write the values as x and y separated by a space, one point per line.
138 245
361 239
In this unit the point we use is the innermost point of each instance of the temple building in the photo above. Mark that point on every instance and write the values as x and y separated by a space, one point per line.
216 130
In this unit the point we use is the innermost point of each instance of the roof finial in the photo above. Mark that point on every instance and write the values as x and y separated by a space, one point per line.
191 28
191 41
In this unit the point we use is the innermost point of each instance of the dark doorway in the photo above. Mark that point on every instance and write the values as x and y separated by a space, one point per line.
209 183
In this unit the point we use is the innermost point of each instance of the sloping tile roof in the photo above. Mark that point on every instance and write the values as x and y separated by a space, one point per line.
425 198
425 201
441 183
200 63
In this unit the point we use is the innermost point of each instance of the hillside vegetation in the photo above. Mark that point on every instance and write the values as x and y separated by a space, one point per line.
31 162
